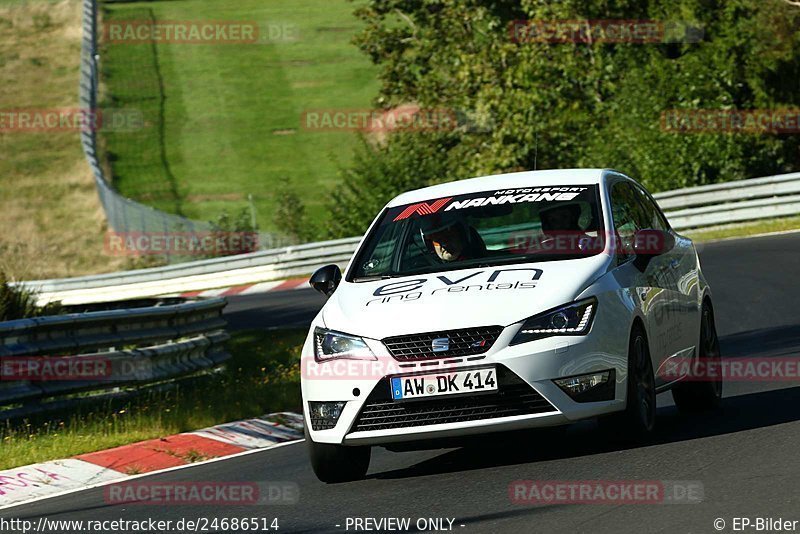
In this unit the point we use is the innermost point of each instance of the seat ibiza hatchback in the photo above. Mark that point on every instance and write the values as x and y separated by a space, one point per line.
521 300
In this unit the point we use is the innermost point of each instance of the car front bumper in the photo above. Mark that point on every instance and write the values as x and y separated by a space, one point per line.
536 364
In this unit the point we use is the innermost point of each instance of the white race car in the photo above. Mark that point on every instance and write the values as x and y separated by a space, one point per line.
521 300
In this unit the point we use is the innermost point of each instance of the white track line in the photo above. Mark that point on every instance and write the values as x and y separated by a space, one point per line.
142 475
261 287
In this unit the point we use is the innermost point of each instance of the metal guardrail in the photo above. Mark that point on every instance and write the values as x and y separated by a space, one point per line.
697 207
196 276
732 202
127 348
287 261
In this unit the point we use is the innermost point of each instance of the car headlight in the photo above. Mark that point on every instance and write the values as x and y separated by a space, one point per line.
570 320
330 345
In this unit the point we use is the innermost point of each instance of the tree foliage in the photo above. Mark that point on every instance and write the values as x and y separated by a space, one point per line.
291 217
406 161
572 105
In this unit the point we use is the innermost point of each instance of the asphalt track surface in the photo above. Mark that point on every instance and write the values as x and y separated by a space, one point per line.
745 456
295 307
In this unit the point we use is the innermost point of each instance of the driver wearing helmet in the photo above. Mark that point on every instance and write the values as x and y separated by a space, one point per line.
449 238
561 228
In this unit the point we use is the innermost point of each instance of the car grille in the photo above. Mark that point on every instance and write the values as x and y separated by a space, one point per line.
513 397
464 342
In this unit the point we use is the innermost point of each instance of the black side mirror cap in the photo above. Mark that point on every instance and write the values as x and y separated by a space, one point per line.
326 279
649 243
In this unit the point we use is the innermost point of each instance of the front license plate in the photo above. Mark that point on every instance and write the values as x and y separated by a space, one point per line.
434 385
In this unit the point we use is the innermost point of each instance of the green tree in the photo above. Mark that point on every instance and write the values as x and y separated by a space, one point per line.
572 105
291 218
237 234
381 171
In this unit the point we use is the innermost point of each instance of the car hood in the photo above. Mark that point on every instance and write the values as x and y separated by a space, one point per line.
499 295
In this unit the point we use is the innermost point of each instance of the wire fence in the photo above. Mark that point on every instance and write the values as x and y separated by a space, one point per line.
123 214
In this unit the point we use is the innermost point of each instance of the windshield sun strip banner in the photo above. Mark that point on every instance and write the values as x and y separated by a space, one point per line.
485 198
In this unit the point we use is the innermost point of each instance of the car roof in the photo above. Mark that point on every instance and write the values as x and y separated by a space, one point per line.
514 180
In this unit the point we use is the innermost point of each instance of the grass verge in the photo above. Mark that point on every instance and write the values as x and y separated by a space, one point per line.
51 222
745 229
262 376
222 121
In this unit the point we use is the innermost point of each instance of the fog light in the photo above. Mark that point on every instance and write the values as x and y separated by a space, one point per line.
589 387
324 414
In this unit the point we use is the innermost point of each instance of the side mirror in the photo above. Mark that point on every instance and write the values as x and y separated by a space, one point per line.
649 243
326 279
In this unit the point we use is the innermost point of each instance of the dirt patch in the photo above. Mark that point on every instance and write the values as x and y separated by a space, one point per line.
211 198
305 85
337 29
294 62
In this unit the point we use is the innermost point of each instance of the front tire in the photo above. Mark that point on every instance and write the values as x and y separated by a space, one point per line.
337 463
698 396
638 420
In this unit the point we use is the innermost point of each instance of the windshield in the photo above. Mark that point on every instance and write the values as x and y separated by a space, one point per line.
543 223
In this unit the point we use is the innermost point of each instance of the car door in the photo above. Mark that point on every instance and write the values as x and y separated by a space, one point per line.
677 273
645 285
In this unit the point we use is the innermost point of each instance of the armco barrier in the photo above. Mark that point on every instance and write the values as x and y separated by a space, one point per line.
196 276
140 348
697 207
732 202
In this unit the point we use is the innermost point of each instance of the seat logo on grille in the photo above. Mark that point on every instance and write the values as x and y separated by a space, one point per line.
440 344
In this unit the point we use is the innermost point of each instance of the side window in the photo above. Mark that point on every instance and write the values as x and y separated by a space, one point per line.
628 213
379 258
655 219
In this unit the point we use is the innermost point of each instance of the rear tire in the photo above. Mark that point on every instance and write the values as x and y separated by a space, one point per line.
699 396
638 420
337 463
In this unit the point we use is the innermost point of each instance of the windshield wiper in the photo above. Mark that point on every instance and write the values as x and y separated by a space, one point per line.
522 258
372 277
